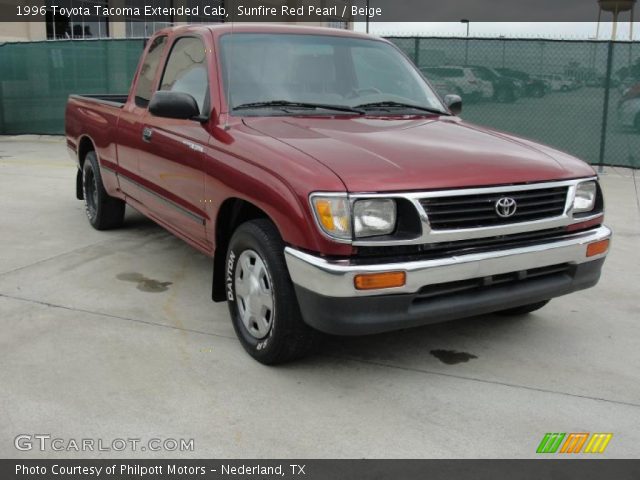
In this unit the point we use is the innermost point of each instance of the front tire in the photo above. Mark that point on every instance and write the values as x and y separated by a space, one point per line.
524 309
261 298
103 211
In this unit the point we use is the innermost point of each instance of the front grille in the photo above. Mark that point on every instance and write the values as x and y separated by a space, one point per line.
476 211
430 292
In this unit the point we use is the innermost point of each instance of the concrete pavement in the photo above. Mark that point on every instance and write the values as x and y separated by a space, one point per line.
112 335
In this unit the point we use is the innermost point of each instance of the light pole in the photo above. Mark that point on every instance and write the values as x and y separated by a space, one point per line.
367 18
466 43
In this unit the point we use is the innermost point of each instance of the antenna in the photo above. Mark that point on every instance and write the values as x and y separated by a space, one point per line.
229 68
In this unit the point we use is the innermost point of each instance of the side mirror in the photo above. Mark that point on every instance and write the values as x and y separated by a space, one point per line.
453 102
174 105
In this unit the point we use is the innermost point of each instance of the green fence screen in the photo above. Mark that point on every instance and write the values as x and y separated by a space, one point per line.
36 79
552 91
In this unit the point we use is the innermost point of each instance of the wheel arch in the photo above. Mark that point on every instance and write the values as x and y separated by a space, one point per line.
233 212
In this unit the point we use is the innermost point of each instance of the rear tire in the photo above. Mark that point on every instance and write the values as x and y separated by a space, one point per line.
261 297
524 309
103 211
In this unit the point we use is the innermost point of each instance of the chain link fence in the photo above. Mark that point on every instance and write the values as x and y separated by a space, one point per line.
37 77
582 97
552 91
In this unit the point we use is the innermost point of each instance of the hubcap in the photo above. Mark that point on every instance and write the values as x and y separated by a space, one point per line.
254 292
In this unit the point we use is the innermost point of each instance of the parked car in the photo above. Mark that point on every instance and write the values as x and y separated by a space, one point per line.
443 86
559 83
505 89
467 84
629 108
626 83
601 81
332 187
629 114
631 92
595 81
533 87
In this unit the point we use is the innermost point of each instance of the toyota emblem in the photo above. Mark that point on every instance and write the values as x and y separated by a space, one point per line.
506 207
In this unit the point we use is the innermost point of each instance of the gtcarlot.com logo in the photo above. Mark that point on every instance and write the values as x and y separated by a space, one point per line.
46 442
574 442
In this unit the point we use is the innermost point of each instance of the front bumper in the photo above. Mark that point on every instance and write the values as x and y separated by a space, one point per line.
330 302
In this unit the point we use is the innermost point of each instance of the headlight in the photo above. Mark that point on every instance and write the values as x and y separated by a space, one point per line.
585 198
333 215
374 217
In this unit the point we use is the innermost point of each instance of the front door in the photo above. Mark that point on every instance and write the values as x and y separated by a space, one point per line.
172 165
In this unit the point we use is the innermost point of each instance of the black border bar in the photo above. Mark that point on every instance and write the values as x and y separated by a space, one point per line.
542 469
337 10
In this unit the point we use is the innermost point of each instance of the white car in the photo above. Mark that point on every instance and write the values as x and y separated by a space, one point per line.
466 82
629 113
558 83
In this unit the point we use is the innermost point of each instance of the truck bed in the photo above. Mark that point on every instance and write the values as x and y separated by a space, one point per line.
112 99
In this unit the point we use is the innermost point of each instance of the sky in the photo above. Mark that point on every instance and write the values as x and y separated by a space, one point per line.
559 30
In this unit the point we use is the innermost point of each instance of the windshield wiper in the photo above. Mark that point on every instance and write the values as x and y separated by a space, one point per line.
391 104
304 105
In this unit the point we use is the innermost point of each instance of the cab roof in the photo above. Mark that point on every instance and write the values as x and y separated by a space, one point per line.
218 29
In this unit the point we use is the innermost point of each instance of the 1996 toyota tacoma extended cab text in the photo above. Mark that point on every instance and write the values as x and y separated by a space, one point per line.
335 191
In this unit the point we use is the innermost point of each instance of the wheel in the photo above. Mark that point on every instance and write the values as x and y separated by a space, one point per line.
261 298
104 212
524 309
504 96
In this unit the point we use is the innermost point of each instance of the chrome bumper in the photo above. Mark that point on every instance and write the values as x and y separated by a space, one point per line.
335 278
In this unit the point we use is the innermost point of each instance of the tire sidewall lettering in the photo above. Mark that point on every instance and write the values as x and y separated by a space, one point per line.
230 269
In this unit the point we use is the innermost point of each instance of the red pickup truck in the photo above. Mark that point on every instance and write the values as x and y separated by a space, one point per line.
334 189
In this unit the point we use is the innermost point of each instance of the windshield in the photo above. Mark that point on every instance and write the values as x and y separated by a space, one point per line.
319 69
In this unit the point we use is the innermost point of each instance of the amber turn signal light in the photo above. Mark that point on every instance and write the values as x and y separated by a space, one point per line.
596 248
371 281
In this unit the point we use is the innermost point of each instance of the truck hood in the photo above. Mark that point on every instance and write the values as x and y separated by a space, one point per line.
416 153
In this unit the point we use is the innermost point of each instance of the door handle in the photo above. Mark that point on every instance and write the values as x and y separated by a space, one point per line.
147 133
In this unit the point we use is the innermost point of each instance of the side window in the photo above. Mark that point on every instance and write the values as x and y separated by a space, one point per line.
148 72
186 70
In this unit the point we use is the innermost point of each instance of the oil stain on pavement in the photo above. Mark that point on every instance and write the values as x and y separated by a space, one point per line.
144 284
451 357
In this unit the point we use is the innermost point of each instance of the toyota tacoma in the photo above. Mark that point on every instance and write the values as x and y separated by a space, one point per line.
334 190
